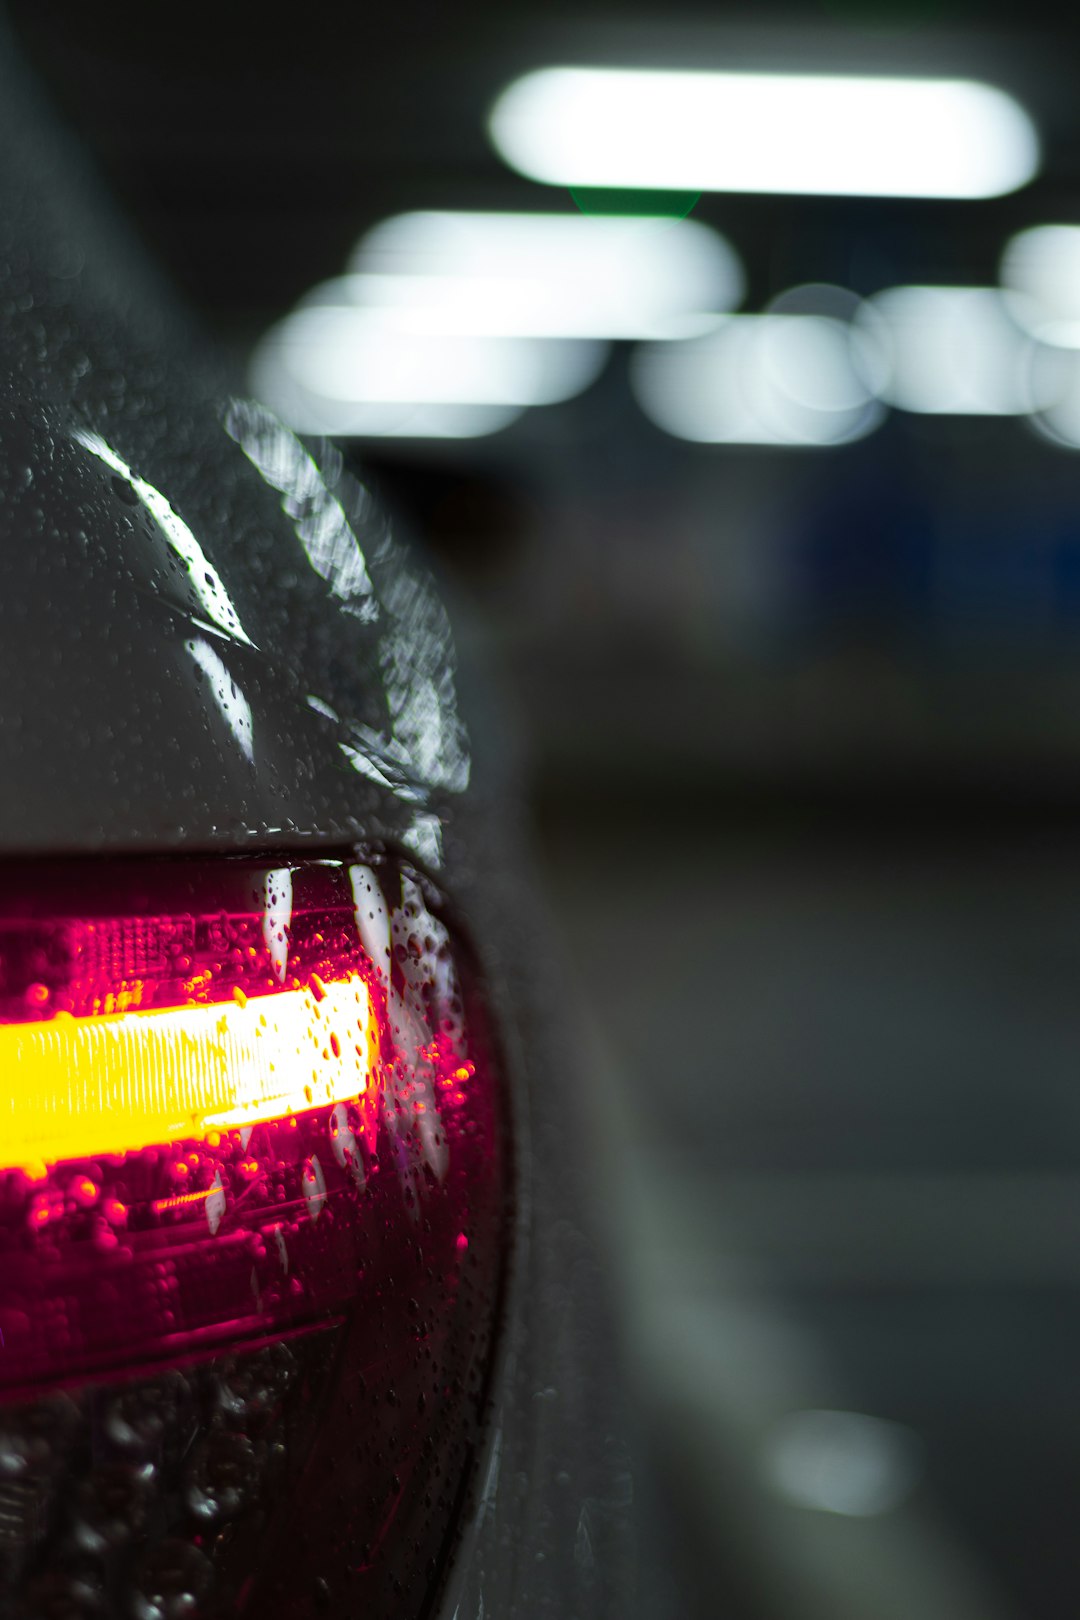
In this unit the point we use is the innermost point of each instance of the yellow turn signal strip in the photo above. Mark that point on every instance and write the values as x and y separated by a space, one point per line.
73 1088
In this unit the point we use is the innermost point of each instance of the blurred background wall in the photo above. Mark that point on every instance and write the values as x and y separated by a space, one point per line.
786 616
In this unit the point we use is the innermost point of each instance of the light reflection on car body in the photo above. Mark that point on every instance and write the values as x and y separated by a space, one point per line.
217 659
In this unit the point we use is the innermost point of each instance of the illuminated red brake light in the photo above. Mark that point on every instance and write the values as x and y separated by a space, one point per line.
253 1185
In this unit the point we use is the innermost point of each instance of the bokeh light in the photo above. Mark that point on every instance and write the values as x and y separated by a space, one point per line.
765 132
759 379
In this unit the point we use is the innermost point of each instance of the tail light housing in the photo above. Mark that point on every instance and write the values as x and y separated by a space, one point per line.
254 1181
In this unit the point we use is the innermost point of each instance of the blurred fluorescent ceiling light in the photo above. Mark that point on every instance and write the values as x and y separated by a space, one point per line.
345 366
759 379
1043 265
841 1462
306 411
338 419
957 351
765 132
1059 417
541 275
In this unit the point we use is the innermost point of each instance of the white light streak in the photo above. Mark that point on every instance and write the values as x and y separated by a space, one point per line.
956 351
760 379
372 918
308 413
1043 265
1059 418
841 1462
424 837
318 517
205 580
231 703
277 917
351 357
764 132
539 275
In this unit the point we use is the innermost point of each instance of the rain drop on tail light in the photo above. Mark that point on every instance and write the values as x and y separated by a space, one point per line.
252 1235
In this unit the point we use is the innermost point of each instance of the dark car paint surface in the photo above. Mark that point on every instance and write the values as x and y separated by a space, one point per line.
211 641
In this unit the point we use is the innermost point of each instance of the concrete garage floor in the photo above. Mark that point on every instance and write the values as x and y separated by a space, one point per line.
837 1065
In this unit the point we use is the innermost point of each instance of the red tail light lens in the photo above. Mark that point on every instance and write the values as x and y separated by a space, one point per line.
252 1234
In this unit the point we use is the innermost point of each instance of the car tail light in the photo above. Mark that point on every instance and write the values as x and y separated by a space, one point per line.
253 1193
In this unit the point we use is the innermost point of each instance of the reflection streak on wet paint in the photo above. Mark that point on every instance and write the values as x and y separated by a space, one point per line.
317 704
318 517
277 915
384 762
205 580
372 918
233 706
417 663
424 837
424 747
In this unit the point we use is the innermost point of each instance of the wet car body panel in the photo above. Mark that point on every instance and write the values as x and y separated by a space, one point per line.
211 641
